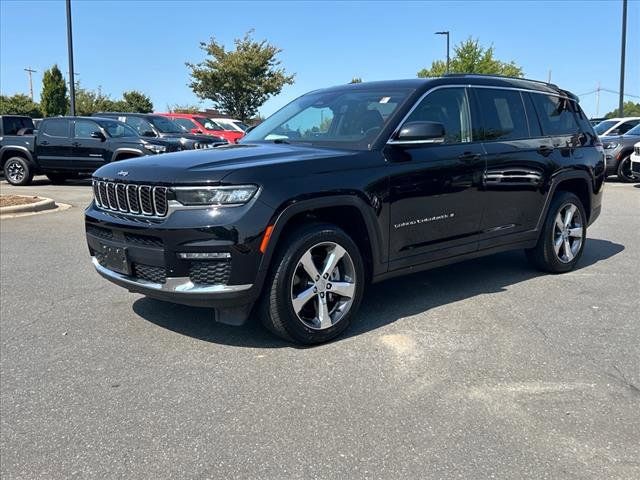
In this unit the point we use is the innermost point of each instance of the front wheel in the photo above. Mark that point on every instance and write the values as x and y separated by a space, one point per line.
316 285
624 171
563 235
18 171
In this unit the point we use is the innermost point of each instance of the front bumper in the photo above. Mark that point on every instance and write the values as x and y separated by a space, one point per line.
635 165
153 254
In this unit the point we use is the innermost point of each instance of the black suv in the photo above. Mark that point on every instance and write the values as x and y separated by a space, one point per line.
66 147
156 126
349 185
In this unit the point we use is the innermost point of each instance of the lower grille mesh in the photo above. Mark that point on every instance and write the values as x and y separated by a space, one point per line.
150 273
211 273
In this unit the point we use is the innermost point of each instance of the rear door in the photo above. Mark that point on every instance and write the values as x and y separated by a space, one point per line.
88 153
435 196
53 143
519 161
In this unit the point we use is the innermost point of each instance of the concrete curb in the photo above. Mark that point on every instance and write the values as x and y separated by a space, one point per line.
42 204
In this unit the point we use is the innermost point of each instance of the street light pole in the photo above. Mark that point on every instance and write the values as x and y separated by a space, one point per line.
72 87
622 57
447 34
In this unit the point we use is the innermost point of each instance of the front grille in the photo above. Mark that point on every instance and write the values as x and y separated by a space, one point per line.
210 272
150 273
635 167
636 150
129 198
143 240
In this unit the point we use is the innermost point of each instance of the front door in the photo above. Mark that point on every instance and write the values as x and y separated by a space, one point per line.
435 196
53 143
88 153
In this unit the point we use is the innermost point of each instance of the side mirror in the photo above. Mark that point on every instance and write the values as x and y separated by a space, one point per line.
196 130
425 132
148 133
98 135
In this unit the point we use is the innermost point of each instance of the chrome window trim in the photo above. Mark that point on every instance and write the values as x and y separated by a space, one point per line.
391 140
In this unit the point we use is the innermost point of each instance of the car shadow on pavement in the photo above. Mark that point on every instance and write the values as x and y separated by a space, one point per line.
383 303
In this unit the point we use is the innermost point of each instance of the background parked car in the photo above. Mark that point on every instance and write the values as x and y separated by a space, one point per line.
635 161
195 123
616 126
68 147
618 150
232 124
157 126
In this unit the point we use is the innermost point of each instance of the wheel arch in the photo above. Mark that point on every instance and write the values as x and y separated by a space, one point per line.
14 150
348 212
577 182
125 153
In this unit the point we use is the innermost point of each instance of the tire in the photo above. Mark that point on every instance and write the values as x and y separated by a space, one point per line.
306 321
624 171
57 178
560 246
18 171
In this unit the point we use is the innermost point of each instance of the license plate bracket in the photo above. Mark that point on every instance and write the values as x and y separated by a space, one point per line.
115 258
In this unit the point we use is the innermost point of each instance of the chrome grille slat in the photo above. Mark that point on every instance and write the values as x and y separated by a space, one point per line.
130 198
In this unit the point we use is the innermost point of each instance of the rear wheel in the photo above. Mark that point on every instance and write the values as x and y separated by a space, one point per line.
563 235
624 171
18 171
316 285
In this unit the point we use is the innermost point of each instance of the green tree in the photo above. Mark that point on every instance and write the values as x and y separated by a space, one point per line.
137 102
177 108
356 80
629 109
89 102
239 81
471 57
53 99
19 104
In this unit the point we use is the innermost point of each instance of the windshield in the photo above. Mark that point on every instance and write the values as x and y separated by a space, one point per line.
117 129
347 118
230 125
604 126
634 131
208 123
164 125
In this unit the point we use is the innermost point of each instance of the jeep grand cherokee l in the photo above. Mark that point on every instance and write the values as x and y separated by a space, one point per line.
349 185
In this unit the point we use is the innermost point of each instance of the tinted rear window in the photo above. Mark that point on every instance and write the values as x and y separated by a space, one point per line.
556 115
503 114
11 125
55 127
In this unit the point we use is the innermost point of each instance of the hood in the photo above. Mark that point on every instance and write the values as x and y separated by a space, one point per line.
211 165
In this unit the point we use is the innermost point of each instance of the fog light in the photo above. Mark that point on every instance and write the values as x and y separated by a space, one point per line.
203 255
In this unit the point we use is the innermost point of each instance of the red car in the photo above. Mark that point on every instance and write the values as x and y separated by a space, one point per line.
196 123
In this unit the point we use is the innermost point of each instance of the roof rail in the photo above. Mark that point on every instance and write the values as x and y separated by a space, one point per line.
485 75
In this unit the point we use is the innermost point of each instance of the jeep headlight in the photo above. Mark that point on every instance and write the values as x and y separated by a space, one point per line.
610 145
155 148
229 196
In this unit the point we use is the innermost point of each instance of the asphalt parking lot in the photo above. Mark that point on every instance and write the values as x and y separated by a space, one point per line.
485 369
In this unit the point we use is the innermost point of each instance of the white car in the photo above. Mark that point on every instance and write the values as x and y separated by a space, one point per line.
231 124
635 161
616 126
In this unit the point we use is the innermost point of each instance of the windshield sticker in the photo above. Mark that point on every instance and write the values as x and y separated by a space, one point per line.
385 100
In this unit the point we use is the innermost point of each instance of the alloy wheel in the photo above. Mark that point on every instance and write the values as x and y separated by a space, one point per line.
323 285
568 232
15 171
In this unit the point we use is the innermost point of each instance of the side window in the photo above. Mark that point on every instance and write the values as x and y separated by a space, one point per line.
503 114
449 107
626 126
556 115
185 122
534 123
56 127
140 125
84 128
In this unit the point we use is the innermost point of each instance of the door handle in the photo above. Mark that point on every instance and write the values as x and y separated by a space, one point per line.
469 157
76 144
44 143
545 150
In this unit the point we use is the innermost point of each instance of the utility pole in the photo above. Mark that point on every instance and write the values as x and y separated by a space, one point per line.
30 71
622 58
72 87
447 34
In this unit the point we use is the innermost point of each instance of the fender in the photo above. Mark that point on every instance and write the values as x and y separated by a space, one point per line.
370 220
556 180
118 151
18 149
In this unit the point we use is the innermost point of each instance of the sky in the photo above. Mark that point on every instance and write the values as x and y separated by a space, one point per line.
143 45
